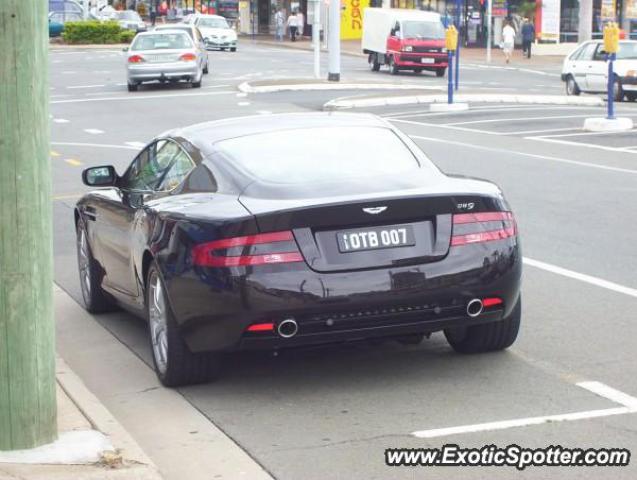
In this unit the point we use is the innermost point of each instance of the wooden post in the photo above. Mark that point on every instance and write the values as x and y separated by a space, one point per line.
27 355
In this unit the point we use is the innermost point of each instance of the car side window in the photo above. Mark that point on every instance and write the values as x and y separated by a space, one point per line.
181 165
149 167
577 54
587 53
600 54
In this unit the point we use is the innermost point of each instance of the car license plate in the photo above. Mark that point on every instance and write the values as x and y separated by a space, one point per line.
427 60
375 238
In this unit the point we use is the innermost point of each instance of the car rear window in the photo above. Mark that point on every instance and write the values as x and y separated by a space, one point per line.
319 154
162 41
627 51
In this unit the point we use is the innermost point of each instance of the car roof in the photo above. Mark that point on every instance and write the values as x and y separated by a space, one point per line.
163 32
204 135
204 15
175 26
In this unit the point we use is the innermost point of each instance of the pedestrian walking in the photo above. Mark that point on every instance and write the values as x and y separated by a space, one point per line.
300 22
528 36
293 25
279 22
508 41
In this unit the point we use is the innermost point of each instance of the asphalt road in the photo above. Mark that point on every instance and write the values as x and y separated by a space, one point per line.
331 412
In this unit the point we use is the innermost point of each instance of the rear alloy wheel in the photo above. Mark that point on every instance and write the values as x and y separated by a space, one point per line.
486 337
132 87
95 299
571 86
175 364
393 68
441 72
374 64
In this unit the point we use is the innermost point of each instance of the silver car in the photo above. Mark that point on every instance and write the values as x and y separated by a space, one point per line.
164 56
194 34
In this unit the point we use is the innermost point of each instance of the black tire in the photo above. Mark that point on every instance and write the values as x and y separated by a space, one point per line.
417 70
631 97
618 91
197 83
180 366
440 72
132 87
571 86
91 274
233 49
487 337
393 68
205 70
374 64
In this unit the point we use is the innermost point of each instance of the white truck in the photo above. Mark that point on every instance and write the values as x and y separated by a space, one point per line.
404 40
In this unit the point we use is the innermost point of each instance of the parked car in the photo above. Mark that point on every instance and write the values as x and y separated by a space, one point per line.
586 70
164 56
194 34
282 231
130 20
65 6
58 19
404 40
216 31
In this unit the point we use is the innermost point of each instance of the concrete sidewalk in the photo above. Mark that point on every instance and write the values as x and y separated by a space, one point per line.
468 55
83 418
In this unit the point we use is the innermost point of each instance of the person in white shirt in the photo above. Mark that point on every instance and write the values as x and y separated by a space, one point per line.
300 21
293 25
279 21
508 41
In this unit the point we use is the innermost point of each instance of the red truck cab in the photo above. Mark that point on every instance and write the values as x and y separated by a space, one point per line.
417 46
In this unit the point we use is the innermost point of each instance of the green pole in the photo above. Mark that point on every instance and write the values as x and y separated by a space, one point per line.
27 354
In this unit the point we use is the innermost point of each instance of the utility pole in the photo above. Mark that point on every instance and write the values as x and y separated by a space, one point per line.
334 64
316 35
585 28
27 354
489 21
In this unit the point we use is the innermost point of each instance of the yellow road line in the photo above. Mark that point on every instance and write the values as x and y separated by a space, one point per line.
72 161
53 153
69 196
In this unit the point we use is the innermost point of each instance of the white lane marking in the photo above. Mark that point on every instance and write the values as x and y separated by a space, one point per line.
60 120
447 126
243 104
516 119
581 144
212 86
548 130
94 131
86 86
141 97
525 154
629 405
264 112
136 144
582 277
520 422
581 134
610 393
92 145
242 95
496 108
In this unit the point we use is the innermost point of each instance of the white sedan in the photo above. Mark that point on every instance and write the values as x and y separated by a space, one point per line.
586 70
216 31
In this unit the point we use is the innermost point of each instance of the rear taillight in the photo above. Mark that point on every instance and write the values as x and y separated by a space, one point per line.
276 247
188 57
482 227
136 59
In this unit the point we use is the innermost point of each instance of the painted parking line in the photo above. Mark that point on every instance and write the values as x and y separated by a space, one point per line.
60 120
94 131
136 144
85 86
456 126
582 277
582 144
516 119
525 154
138 97
628 405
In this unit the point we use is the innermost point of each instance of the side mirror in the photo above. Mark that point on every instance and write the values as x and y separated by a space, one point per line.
125 49
100 176
392 32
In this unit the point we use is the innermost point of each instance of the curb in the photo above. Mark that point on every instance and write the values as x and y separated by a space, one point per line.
103 421
107 46
247 87
304 48
345 103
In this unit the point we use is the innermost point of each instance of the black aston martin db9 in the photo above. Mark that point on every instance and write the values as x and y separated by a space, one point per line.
288 230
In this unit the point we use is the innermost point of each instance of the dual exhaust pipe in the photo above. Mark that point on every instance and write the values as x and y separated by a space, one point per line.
288 328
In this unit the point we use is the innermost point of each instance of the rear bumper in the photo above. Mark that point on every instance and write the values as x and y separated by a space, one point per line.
214 307
170 71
